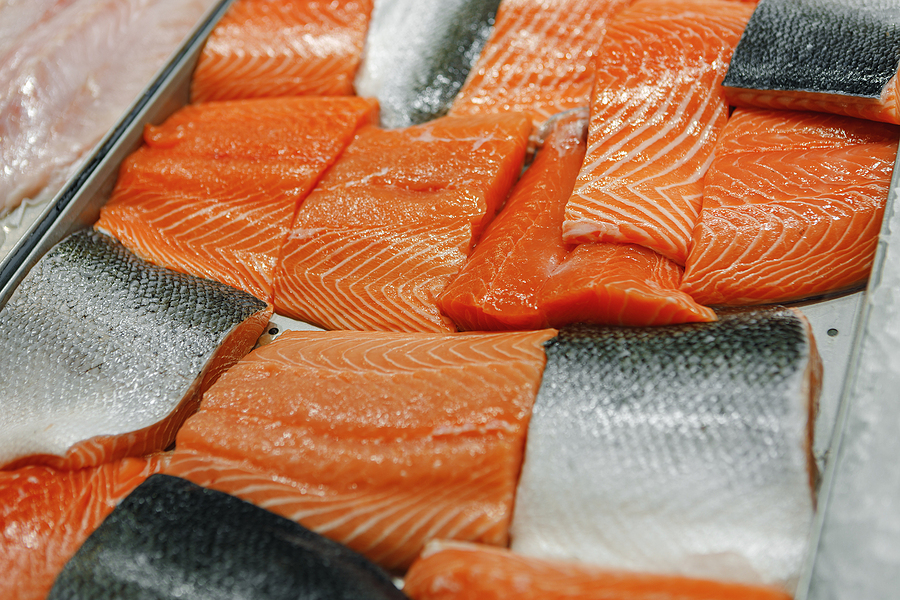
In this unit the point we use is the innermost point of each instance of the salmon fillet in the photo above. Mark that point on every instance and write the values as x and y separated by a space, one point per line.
266 48
656 111
459 571
538 59
380 441
214 189
499 285
618 284
381 235
45 516
792 207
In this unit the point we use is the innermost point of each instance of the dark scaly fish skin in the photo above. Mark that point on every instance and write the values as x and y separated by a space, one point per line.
845 47
99 342
681 449
173 539
415 65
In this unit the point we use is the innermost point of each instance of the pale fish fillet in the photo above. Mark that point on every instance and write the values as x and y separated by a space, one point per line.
381 441
656 110
418 54
72 78
104 355
681 450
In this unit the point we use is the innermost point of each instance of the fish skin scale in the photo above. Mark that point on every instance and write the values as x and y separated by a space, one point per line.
702 433
83 332
651 141
267 49
832 55
417 55
430 445
450 570
171 538
45 515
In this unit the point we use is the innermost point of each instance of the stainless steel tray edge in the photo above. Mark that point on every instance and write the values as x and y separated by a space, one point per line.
77 205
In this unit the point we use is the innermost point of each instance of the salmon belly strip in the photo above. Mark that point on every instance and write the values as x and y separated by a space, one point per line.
458 571
380 441
618 284
656 110
792 207
522 276
45 516
262 48
538 59
387 227
213 190
499 285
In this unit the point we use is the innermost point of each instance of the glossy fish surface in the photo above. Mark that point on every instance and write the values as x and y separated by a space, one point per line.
418 54
173 539
681 450
837 56
104 353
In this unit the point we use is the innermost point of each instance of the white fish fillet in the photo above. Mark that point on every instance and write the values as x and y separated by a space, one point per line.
676 450
67 82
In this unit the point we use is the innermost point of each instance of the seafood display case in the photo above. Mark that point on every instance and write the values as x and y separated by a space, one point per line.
852 331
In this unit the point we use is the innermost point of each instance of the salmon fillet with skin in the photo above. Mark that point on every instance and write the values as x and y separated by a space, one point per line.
387 227
792 207
656 111
538 59
214 189
498 286
460 571
265 48
45 516
380 441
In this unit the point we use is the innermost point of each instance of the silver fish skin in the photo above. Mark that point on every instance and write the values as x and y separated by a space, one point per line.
418 55
679 450
173 539
99 342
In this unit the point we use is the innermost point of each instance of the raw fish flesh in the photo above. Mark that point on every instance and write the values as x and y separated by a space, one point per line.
499 284
380 441
681 450
464 571
522 276
266 48
618 284
837 56
418 54
213 190
45 516
387 227
538 59
171 539
69 80
792 207
105 355
656 110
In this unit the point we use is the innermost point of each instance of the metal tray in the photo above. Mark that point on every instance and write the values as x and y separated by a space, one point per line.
837 322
